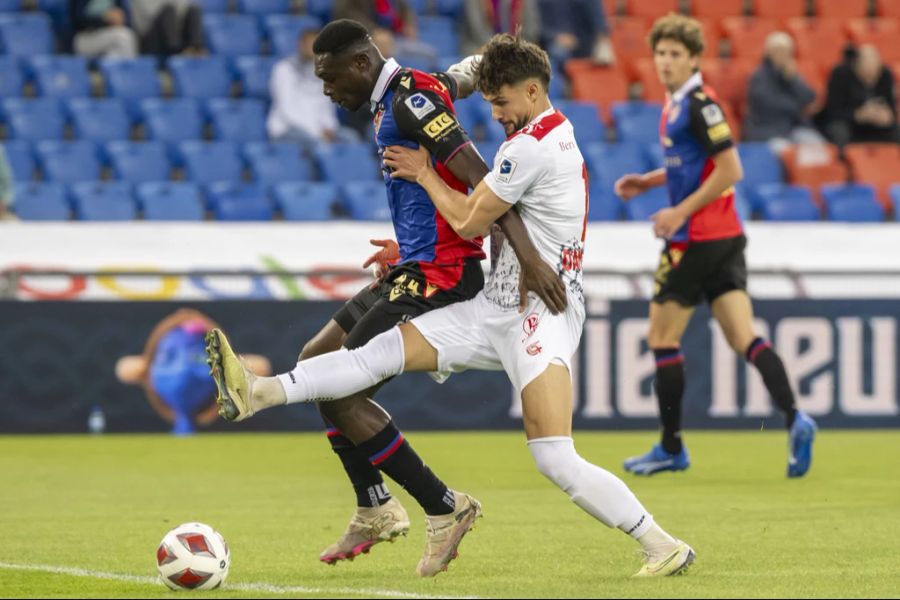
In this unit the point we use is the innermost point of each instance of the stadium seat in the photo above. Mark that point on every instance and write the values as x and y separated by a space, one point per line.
60 76
844 9
748 36
585 118
41 202
607 162
10 6
206 77
729 78
26 34
417 62
813 165
238 120
20 158
450 8
254 73
654 155
320 8
138 162
761 165
779 10
853 202
894 192
170 201
643 206
110 201
68 162
11 79
875 164
629 40
232 35
306 201
650 9
742 203
601 85
474 115
348 162
780 202
277 162
888 8
264 7
235 201
717 9
818 39
882 33
637 121
33 119
213 6
284 30
652 89
99 120
366 200
811 72
172 120
208 162
131 79
604 205
439 32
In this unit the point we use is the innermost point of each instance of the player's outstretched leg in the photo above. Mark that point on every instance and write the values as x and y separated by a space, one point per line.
369 526
445 532
234 381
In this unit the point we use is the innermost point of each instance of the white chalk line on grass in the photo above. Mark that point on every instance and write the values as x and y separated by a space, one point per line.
244 587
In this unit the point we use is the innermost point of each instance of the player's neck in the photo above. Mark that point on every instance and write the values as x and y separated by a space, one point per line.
542 105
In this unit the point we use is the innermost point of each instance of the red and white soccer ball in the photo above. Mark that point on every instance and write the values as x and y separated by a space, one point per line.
193 556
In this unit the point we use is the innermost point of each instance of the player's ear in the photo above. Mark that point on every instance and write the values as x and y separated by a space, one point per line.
361 62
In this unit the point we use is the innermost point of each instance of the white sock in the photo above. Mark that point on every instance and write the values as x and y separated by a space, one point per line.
345 372
656 542
596 491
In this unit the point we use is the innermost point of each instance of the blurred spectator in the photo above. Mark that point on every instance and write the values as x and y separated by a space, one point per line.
862 101
482 19
168 27
300 110
778 99
101 28
6 188
575 29
395 16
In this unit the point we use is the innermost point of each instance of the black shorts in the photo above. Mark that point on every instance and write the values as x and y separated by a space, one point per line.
402 295
705 270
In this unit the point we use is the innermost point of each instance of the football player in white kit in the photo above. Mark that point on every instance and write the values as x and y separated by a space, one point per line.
540 171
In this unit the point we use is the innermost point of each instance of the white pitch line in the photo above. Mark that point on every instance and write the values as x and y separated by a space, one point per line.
267 588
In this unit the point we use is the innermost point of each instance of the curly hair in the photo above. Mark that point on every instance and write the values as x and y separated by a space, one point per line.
508 60
679 28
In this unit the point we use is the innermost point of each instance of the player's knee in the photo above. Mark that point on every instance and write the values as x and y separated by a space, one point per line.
557 460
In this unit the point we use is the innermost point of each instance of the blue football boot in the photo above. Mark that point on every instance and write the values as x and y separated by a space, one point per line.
800 441
658 460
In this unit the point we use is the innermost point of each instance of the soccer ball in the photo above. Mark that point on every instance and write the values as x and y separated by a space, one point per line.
193 556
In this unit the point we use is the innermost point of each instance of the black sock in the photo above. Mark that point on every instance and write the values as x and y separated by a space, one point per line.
775 377
366 479
669 390
388 451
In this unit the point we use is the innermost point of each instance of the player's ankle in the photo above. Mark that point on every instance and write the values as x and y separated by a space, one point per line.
656 542
266 393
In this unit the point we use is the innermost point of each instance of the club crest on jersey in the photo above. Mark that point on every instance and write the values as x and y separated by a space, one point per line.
419 105
712 114
378 117
674 113
506 169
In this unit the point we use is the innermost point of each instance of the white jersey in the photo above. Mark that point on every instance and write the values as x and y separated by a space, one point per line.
541 170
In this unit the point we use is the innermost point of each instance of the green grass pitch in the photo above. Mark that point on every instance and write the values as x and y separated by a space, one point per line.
102 504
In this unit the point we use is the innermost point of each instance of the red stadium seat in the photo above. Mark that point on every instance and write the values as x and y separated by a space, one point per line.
629 39
649 9
814 166
729 78
717 9
842 9
653 89
600 85
747 35
877 165
712 35
887 8
819 39
779 9
811 72
882 33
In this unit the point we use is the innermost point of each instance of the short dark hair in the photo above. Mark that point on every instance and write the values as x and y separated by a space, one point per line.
340 35
681 29
507 60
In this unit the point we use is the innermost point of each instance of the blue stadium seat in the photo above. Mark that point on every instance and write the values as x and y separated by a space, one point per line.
348 162
264 7
233 201
557 89
444 62
781 202
208 162
170 201
320 8
449 8
100 120
41 202
60 76
643 206
254 73
743 203
34 119
655 155
68 162
604 205
103 201
418 6
284 30
241 120
585 119
10 6
26 34
306 201
441 33
277 162
894 193
232 35
761 165
366 200
856 203
417 62
138 162
172 120
11 79
195 77
608 162
213 6
21 159
474 115
637 121
132 79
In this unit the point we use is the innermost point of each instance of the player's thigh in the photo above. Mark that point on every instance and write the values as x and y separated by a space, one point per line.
547 403
668 321
734 313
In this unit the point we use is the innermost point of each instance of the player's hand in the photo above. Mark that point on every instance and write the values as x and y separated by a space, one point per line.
667 222
539 278
382 260
629 186
407 163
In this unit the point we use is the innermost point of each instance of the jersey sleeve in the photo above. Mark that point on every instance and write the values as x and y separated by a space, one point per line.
449 82
517 167
708 124
425 117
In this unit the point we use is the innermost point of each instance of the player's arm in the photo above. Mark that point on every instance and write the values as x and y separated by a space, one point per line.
630 185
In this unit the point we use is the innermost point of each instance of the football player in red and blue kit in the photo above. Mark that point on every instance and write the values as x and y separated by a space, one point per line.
703 258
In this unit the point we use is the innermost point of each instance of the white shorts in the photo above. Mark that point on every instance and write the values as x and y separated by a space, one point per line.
478 334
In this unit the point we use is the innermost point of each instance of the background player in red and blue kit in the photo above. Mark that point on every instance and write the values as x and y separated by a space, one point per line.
704 254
